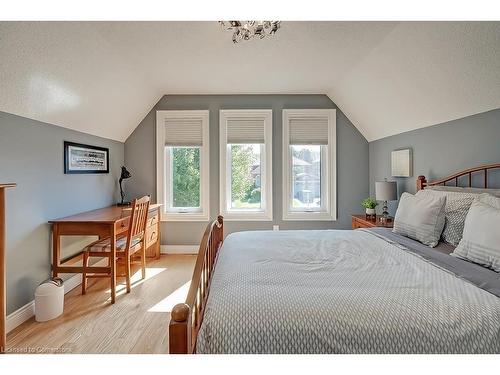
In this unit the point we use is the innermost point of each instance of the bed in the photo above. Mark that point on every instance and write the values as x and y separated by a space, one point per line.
334 291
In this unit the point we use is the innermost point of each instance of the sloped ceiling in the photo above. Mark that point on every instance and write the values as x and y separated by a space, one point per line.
388 77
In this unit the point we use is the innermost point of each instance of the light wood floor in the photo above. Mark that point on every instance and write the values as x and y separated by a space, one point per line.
136 323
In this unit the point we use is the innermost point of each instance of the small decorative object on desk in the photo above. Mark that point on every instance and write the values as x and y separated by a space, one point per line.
124 175
369 204
386 191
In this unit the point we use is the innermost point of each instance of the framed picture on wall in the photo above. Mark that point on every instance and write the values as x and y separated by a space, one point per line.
80 158
401 163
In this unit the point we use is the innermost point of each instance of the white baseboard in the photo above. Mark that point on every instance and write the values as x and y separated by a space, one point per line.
26 312
179 249
19 316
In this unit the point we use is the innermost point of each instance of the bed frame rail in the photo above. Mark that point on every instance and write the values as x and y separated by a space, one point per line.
423 183
186 317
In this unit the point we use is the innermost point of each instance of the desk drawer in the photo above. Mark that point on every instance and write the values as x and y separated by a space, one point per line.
151 235
152 220
122 225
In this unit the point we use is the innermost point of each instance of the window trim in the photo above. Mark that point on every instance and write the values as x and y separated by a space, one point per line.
162 158
329 213
265 214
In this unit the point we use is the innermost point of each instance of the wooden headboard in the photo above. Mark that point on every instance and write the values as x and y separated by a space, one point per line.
422 181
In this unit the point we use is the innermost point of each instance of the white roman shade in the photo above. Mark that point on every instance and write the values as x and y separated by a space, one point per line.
308 130
245 130
183 131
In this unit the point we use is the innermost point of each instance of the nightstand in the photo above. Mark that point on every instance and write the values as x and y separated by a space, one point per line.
360 221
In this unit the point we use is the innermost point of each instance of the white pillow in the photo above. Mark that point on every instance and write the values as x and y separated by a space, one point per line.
420 217
489 200
481 237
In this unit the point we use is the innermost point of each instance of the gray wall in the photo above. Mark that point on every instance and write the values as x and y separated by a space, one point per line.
352 160
31 154
440 150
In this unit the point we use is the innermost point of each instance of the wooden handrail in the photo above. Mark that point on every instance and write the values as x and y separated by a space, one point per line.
422 181
186 318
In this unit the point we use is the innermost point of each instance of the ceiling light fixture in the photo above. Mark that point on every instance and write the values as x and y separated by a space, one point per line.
246 30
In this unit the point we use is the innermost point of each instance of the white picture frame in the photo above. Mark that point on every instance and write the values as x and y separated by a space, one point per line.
401 163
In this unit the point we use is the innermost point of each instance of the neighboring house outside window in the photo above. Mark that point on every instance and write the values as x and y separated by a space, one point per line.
309 172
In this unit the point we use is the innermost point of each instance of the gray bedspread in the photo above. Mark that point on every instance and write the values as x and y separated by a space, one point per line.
341 292
480 276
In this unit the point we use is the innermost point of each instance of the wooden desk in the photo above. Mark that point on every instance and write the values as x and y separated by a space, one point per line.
105 222
3 308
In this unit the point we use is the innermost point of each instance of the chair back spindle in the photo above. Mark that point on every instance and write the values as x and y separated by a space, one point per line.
138 219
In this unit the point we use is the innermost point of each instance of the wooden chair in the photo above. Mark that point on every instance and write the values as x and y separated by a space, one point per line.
126 246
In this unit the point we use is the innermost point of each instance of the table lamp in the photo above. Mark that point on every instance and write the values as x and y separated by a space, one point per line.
124 175
386 191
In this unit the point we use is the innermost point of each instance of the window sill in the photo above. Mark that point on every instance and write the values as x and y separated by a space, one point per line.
247 216
170 216
308 216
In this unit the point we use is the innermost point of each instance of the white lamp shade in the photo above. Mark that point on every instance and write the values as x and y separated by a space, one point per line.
386 191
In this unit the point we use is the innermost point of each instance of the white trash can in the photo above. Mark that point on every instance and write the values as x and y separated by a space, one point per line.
49 300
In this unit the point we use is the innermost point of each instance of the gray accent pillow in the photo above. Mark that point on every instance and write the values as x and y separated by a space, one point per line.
420 217
481 238
455 210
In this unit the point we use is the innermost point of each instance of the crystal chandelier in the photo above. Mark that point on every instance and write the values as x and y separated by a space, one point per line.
246 30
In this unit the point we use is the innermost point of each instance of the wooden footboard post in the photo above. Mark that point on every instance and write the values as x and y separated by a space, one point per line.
179 330
186 318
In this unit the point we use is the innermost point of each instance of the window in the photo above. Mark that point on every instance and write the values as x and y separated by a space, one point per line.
184 170
182 164
245 170
309 173
306 177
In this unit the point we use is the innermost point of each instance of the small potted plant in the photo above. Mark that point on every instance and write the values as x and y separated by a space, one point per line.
369 204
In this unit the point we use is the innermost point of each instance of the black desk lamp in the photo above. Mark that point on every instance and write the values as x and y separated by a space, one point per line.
125 174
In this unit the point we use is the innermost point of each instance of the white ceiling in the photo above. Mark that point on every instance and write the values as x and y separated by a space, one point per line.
388 77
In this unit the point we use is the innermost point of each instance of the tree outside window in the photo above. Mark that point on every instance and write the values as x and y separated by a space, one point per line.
185 176
245 176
